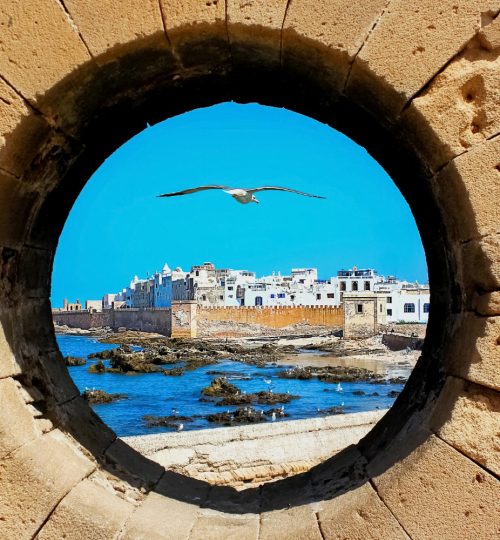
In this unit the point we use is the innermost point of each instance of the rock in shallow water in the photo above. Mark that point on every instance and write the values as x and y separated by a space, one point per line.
96 397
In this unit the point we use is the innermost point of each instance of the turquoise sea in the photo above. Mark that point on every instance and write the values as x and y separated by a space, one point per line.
156 394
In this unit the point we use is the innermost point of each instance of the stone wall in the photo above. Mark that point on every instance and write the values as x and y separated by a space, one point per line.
238 456
398 342
275 317
144 320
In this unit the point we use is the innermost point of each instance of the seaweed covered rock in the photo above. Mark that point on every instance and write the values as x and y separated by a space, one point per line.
272 398
244 415
96 397
172 421
72 361
98 367
174 372
220 387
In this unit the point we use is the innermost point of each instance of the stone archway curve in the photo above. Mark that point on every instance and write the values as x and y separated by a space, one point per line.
417 85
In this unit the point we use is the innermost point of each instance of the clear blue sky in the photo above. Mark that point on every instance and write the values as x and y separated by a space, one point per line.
118 228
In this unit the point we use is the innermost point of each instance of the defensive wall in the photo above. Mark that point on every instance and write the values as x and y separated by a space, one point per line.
144 320
416 84
398 342
246 455
275 317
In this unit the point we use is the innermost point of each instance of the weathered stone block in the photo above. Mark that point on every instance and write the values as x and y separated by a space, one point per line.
17 426
40 46
460 108
481 263
8 364
475 351
468 189
408 46
16 208
357 514
436 492
468 417
21 131
324 37
197 31
107 23
89 511
298 523
161 518
213 525
254 30
132 463
487 303
34 479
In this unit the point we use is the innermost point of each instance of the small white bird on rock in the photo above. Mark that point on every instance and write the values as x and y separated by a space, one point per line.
243 196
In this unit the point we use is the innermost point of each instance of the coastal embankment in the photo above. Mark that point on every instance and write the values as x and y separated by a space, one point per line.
254 454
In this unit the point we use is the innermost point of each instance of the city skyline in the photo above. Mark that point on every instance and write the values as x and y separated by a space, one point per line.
119 228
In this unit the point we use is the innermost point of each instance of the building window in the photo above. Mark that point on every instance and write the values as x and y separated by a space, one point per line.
359 308
389 299
409 308
281 295
389 312
367 285
272 295
221 297
342 285
318 296
292 297
330 295
197 273
204 297
258 300
380 308
354 285
426 307
230 288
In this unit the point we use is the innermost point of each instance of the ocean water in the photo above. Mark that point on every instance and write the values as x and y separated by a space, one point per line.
156 394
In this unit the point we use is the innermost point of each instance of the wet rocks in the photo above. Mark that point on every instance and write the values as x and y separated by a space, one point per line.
220 387
244 415
336 409
278 412
72 361
237 399
98 367
172 421
174 372
358 393
271 398
393 394
96 397
297 373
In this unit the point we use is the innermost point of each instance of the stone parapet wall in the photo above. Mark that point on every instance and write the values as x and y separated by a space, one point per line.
398 342
275 317
255 454
143 320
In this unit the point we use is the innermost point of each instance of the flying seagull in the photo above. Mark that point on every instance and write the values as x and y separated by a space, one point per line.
243 196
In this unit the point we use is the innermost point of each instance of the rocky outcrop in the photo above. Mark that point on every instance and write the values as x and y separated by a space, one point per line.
72 361
97 397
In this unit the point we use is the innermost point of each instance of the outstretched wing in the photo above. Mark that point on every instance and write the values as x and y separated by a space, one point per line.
191 190
277 188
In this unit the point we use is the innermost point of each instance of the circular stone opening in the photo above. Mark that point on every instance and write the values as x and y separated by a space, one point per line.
64 120
322 340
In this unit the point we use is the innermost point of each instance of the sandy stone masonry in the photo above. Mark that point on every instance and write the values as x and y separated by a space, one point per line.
417 84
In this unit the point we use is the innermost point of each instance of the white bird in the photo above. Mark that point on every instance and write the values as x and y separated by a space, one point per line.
268 381
339 388
243 196
273 417
180 427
